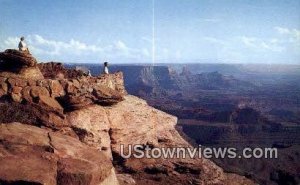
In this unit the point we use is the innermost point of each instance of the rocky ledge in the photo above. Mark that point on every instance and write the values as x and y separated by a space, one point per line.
32 155
69 131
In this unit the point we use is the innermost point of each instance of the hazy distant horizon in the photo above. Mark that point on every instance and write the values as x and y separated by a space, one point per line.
122 31
178 63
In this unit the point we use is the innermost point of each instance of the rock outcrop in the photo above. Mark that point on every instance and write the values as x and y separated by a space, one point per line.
73 131
55 70
18 58
157 129
18 64
133 122
33 155
50 98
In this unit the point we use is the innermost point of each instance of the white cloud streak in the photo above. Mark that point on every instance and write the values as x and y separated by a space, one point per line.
47 48
262 44
292 34
215 40
209 20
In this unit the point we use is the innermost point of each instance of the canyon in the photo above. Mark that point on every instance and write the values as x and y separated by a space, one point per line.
227 105
59 126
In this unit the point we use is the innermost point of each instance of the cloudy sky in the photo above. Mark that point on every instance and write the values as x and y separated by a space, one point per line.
230 31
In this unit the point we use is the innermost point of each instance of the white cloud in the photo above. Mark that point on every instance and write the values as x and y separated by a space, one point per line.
214 40
293 34
121 46
209 20
10 42
146 52
54 49
262 44
146 39
282 30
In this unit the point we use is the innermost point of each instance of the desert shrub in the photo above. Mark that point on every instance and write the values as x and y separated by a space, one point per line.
16 112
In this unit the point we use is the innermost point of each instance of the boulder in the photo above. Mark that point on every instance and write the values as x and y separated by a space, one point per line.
17 82
18 64
56 89
106 95
32 155
92 126
37 91
125 179
12 57
56 70
32 73
76 102
3 86
50 104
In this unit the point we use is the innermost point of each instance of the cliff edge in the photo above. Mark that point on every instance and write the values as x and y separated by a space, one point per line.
70 130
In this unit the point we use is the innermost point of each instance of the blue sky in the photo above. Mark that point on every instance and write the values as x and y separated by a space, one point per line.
227 31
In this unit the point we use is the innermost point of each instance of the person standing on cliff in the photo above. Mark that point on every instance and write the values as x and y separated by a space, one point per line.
23 45
105 70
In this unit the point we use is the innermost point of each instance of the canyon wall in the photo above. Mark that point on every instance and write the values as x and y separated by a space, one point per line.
64 131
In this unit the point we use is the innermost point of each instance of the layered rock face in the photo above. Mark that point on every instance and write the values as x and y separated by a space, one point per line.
133 121
32 155
50 98
70 132
14 63
54 70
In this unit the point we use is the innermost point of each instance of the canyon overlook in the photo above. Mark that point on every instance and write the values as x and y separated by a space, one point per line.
59 126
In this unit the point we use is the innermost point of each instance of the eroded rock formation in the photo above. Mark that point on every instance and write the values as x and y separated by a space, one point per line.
55 70
72 129
38 156
14 63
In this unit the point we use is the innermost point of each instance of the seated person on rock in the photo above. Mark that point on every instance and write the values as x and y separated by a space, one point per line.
105 71
23 45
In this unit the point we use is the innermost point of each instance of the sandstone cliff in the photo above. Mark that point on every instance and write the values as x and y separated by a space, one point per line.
69 131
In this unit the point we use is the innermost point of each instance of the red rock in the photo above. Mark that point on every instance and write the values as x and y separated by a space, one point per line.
26 94
132 122
17 82
16 90
16 94
54 70
107 95
17 58
76 102
33 155
17 64
16 97
27 168
76 83
37 91
33 73
2 93
56 89
51 119
87 163
50 103
94 126
71 88
57 121
3 88
3 80
31 82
